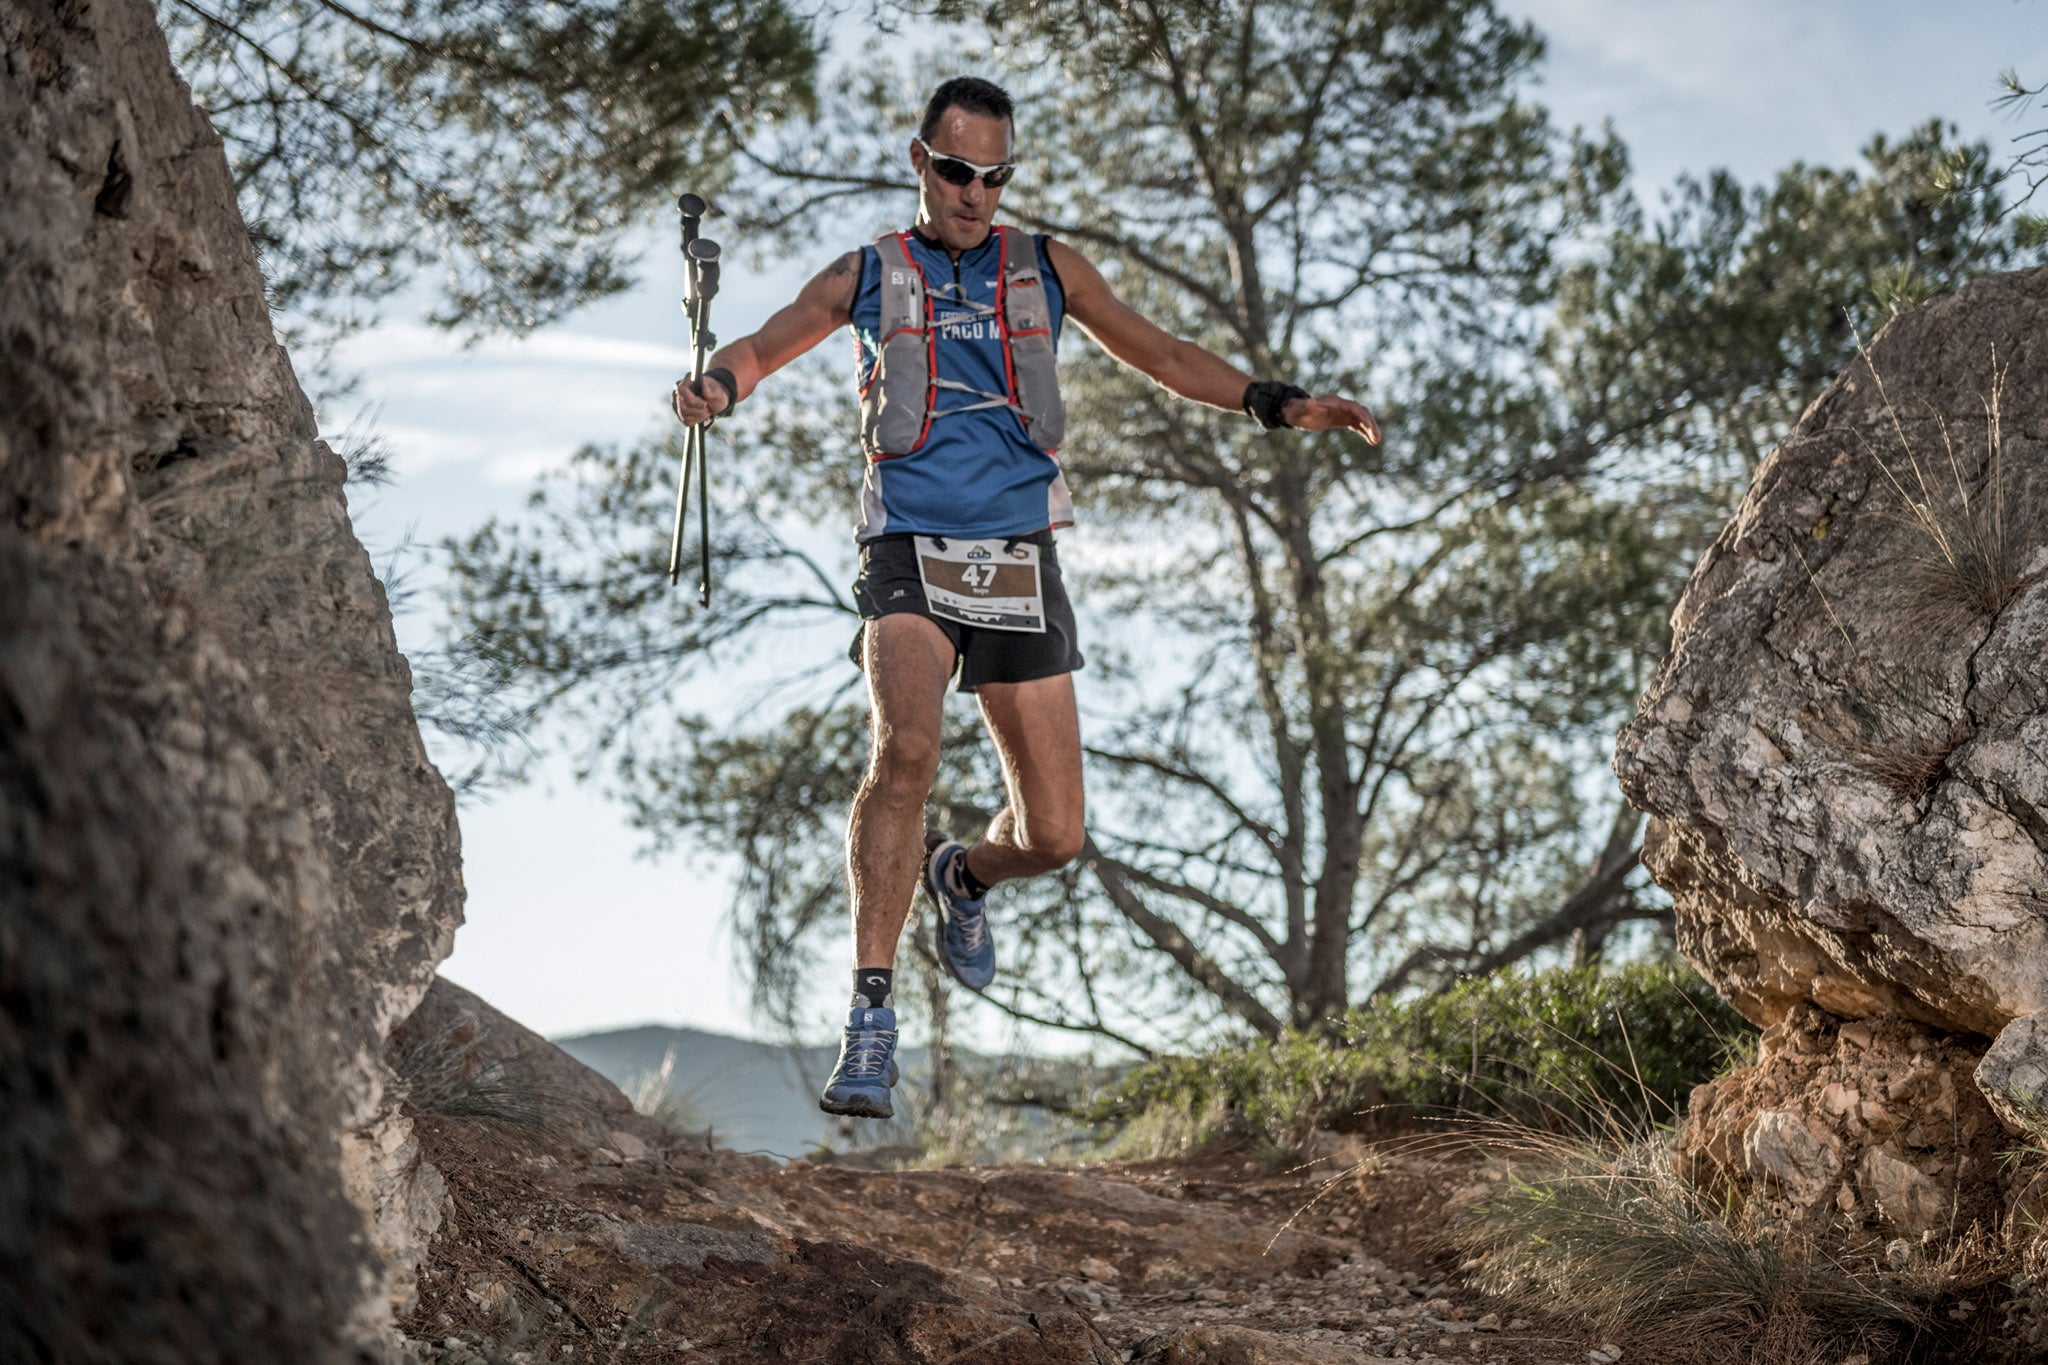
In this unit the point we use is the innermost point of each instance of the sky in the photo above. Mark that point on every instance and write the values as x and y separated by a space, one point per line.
569 928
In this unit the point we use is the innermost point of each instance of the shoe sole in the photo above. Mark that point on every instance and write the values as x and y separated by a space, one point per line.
858 1107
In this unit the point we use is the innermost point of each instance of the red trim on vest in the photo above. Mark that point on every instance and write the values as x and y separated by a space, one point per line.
1003 327
931 346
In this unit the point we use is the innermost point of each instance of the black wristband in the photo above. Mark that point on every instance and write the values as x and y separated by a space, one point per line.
1264 399
732 388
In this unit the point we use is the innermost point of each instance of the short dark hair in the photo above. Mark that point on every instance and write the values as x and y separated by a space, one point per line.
971 93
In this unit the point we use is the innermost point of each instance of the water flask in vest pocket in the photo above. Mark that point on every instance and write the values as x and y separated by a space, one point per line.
893 416
1029 325
895 407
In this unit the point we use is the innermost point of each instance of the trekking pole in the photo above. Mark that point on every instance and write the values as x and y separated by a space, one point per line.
700 262
704 269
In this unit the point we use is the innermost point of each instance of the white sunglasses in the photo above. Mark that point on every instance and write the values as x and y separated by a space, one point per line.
958 170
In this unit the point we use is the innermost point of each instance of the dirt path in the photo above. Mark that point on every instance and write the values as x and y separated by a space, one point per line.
635 1248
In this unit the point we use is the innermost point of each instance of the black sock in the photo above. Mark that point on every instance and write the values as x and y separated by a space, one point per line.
971 886
874 988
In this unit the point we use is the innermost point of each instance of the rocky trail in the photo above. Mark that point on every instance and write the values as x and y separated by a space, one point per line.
584 1231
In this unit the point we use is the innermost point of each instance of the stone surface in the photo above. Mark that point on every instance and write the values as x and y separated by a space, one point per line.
229 868
2014 1073
1845 758
1780 1147
1819 656
1871 1125
458 1055
1909 1200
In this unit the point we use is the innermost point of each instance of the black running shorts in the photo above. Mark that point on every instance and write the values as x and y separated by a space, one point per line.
889 583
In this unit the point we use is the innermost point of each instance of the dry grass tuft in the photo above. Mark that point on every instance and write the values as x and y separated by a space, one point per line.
1611 1235
1597 1223
1605 1230
1897 729
1897 725
1969 567
443 1079
654 1095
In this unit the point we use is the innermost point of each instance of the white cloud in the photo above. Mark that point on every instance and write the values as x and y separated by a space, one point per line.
511 407
412 343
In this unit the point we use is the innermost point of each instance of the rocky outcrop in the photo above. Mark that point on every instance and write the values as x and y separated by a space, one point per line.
228 867
1846 761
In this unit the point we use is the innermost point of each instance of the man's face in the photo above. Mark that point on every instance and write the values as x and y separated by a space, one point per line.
960 215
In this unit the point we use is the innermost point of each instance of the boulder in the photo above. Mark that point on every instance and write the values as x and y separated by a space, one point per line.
1845 754
229 868
2014 1074
458 1054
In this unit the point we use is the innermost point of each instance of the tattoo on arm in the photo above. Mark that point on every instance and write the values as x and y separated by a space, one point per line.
844 265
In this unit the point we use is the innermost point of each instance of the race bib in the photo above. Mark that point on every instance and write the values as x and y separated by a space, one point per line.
994 584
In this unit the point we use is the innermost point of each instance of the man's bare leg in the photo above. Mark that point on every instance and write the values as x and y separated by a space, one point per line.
909 662
1037 733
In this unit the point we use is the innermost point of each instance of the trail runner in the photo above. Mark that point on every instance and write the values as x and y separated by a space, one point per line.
955 321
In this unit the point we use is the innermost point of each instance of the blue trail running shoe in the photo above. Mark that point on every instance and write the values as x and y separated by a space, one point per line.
964 942
867 1066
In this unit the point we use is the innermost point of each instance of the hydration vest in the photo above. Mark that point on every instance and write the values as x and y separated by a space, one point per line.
899 402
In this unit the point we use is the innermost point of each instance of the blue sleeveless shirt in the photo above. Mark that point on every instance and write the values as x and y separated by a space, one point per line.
977 475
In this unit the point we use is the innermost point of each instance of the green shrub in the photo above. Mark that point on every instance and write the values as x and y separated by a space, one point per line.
1553 1049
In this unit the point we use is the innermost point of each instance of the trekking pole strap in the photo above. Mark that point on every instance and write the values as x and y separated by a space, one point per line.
731 385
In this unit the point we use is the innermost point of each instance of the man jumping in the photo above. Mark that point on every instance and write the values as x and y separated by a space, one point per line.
956 321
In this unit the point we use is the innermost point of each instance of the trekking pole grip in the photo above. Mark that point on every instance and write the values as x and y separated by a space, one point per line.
703 254
693 208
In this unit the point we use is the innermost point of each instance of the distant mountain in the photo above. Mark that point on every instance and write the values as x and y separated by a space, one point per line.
752 1096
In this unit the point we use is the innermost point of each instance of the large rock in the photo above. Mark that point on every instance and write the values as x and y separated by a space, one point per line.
228 867
458 1052
1846 753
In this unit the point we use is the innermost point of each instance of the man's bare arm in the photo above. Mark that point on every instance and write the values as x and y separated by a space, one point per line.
820 308
1179 366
